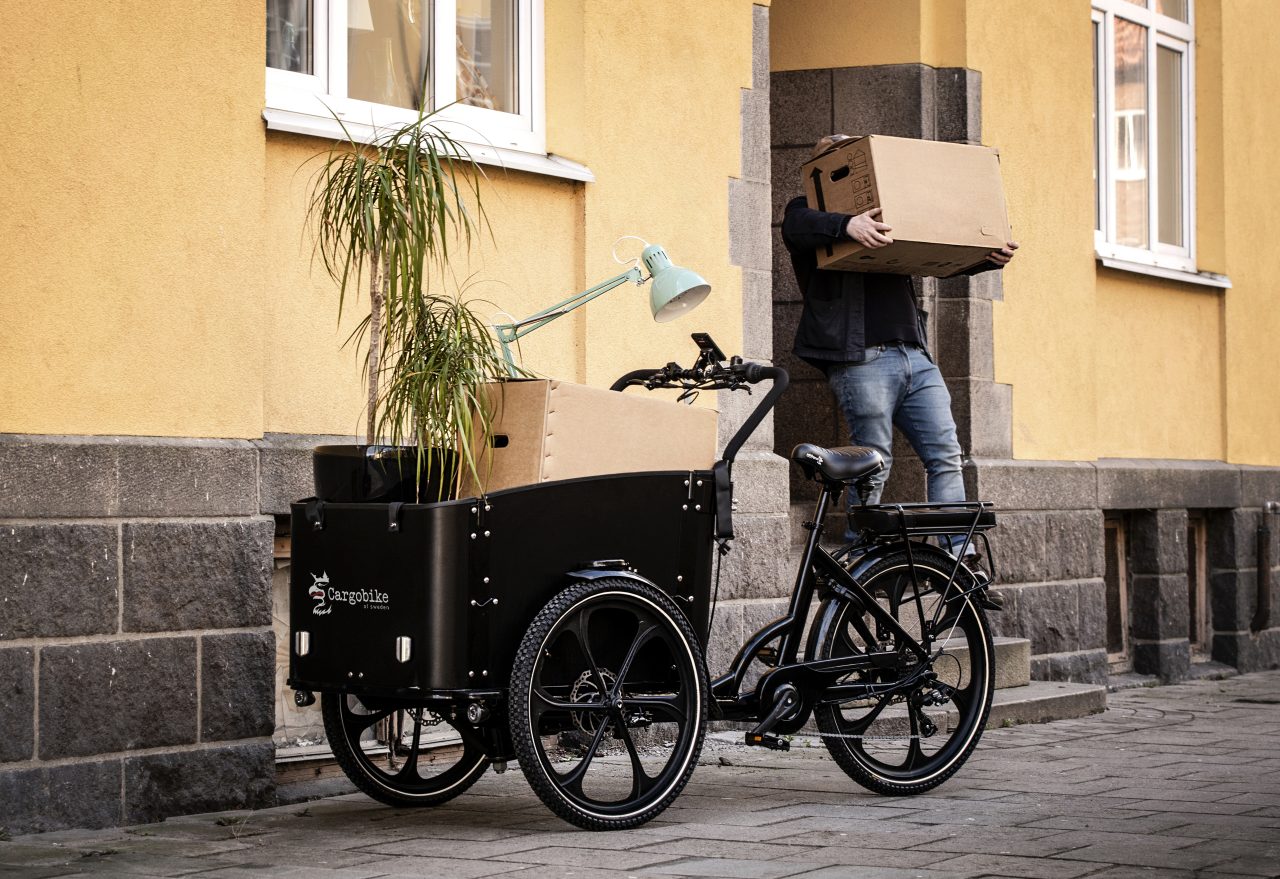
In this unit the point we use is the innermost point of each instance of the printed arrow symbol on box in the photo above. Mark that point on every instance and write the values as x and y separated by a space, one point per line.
816 174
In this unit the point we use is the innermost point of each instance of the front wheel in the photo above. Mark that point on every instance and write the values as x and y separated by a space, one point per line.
923 720
402 756
608 701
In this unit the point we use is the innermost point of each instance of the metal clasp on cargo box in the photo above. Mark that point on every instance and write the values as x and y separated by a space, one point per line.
302 643
404 648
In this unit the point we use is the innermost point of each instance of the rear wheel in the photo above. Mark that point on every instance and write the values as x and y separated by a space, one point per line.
927 718
402 756
608 700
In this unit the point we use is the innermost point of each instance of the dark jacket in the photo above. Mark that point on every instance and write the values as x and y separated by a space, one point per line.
833 321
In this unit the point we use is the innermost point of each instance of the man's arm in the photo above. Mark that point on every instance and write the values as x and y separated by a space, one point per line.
806 229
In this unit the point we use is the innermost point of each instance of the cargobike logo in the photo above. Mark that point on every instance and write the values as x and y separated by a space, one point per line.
326 596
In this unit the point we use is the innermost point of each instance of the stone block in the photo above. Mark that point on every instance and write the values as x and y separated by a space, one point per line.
1125 484
760 47
58 580
17 704
958 105
74 796
799 107
735 407
1168 660
187 478
755 135
907 482
197 575
1248 651
1158 608
755 616
1233 599
757 315
894 99
756 567
1018 543
962 340
1074 545
786 290
1031 485
237 683
117 696
726 636
1233 536
1093 614
749 242
1157 541
985 285
1082 667
983 413
1004 623
806 413
1048 615
786 315
760 483
1258 485
56 477
157 786
786 183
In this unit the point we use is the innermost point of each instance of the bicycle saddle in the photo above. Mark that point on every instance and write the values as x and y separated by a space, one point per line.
846 464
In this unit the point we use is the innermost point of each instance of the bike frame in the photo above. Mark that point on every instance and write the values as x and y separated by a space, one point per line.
817 681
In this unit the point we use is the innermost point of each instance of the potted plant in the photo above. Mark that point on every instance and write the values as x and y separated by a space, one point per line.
384 215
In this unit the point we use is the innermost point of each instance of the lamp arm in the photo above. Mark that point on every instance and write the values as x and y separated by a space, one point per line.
510 332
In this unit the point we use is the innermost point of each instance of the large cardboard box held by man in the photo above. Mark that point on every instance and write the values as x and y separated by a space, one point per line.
945 202
546 430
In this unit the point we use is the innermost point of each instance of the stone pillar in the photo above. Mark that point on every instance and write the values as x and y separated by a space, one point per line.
1233 590
1159 612
754 575
136 652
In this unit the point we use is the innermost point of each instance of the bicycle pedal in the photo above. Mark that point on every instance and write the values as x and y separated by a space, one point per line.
764 740
768 655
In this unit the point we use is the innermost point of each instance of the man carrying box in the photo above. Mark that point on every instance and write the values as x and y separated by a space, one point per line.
863 330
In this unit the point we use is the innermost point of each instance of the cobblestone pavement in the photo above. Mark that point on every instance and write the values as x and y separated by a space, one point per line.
1175 781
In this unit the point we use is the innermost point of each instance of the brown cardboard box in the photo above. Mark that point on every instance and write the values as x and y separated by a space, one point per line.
944 201
546 430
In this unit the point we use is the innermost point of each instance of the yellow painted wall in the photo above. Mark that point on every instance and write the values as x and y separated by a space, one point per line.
157 276
1251 122
1103 363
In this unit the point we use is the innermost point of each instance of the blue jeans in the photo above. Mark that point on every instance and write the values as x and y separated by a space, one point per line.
900 385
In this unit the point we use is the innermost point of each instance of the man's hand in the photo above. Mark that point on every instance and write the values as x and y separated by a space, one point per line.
869 232
1002 256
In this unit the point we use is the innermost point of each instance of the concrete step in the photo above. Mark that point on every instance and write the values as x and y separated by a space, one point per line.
1013 661
1043 701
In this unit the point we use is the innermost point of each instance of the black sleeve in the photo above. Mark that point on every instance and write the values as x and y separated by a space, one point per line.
807 229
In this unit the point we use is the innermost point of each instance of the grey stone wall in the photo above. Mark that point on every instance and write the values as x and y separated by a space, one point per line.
136 654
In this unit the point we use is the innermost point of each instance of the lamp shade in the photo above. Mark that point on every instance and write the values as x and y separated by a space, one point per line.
675 290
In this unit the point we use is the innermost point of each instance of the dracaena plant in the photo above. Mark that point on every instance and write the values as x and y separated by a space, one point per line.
385 215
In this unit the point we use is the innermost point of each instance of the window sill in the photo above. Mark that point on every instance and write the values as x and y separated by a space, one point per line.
485 154
1203 279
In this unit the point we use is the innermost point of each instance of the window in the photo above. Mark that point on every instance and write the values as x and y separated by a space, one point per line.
1143 113
1116 578
1198 629
374 63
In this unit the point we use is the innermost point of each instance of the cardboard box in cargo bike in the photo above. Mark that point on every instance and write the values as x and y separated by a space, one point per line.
547 430
945 202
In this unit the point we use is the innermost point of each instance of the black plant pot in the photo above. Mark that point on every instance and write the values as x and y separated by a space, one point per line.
383 474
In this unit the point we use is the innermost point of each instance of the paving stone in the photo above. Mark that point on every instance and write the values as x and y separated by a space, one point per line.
58 579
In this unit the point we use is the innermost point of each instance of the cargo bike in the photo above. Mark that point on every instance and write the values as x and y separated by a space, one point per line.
565 625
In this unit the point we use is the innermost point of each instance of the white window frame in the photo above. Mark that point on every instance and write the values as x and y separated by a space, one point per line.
317 103
1160 259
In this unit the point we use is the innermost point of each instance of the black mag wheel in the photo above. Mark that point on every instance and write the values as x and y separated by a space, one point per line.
607 705
928 717
402 756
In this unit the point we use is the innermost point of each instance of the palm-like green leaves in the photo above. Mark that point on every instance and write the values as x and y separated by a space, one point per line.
385 214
